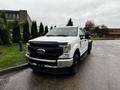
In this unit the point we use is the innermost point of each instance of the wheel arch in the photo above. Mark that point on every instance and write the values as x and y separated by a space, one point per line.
77 51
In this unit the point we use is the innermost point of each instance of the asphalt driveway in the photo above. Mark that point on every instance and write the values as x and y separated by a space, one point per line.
99 71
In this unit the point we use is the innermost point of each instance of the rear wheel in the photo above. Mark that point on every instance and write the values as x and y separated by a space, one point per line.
89 48
88 51
75 67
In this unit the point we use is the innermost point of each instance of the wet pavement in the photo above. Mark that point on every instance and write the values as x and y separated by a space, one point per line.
98 71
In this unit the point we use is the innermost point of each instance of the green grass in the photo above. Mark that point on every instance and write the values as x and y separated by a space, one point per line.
11 56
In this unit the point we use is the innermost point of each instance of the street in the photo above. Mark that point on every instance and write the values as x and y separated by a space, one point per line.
98 71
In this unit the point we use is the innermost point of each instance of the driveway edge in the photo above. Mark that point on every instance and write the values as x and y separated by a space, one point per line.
12 69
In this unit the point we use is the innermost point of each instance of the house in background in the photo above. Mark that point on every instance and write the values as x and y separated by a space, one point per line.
113 32
18 15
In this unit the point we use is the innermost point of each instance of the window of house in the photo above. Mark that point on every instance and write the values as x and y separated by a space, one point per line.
14 16
17 16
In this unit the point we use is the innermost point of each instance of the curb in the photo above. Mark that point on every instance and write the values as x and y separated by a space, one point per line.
12 69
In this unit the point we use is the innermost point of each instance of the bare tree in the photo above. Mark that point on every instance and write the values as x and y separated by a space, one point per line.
89 26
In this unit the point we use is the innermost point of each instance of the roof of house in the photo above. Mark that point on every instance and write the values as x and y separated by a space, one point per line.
114 29
14 11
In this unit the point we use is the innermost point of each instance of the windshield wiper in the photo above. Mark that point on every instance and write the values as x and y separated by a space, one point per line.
50 35
62 35
57 35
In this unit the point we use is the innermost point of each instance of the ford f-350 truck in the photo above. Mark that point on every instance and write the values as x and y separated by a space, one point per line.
59 50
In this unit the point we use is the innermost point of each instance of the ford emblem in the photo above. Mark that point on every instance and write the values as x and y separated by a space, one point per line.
40 51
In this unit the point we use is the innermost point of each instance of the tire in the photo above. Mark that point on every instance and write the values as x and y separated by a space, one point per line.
74 67
89 48
88 51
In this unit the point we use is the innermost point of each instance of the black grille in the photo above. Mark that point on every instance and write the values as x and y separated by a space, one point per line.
52 50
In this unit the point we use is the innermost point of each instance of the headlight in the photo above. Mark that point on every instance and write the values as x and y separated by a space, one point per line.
27 51
66 50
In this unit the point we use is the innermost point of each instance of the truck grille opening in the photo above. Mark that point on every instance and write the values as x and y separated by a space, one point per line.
52 50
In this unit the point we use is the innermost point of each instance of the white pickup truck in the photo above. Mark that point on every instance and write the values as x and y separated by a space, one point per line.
59 50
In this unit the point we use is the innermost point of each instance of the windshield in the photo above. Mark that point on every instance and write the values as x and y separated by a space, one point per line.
70 31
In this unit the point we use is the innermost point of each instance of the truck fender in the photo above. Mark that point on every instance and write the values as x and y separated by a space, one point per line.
74 48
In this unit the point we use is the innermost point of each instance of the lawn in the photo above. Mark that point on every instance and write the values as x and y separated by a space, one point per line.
11 56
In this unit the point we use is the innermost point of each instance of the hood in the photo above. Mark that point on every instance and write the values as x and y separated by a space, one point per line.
54 39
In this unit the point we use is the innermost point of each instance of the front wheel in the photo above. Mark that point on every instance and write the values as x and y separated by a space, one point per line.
75 67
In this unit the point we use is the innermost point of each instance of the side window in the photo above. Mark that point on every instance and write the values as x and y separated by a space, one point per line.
81 33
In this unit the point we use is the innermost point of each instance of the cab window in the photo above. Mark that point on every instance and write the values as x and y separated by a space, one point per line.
81 32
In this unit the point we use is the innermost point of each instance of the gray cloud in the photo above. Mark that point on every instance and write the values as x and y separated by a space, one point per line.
57 12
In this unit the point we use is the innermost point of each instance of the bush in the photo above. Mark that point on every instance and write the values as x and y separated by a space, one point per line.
70 22
46 30
51 27
16 33
41 29
5 37
0 37
34 31
26 32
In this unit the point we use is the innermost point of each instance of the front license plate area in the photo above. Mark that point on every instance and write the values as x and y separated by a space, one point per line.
41 65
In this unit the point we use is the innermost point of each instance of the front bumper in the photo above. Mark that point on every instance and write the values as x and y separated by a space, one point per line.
60 63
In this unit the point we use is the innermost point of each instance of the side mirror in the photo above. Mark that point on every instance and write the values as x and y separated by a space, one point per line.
82 36
87 35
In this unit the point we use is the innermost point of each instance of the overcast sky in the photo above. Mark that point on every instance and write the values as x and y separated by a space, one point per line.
57 12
